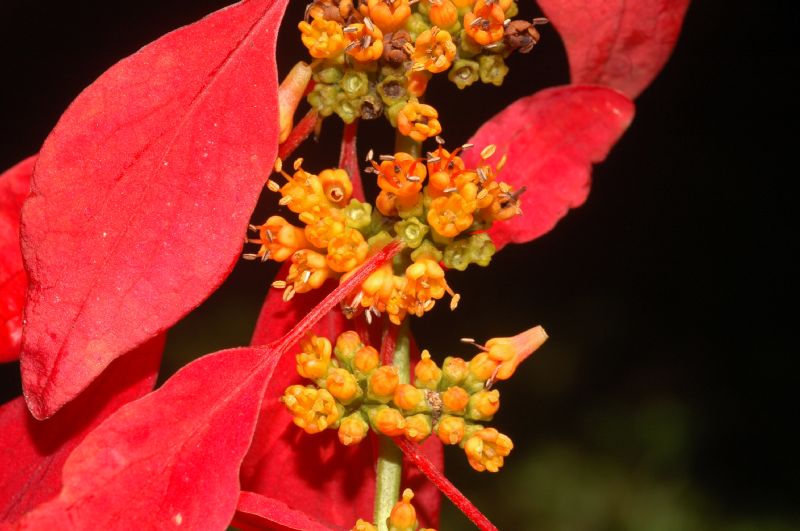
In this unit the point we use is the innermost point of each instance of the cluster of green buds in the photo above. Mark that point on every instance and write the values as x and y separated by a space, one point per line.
437 206
377 57
353 393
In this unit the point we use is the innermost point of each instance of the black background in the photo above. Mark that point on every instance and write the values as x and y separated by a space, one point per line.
667 296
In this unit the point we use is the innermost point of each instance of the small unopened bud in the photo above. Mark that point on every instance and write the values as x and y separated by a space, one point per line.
403 516
353 429
483 405
363 525
454 371
450 429
411 231
365 361
486 449
418 427
343 386
382 383
408 397
492 69
314 360
347 344
426 373
455 400
464 73
387 420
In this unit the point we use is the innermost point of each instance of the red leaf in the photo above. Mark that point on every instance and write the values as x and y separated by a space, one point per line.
259 512
315 474
34 451
617 43
142 194
170 457
551 139
14 187
173 456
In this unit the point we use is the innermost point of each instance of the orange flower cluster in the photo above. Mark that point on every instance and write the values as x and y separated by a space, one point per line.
377 58
353 393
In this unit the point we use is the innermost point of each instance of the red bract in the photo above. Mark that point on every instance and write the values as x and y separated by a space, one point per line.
551 140
14 187
615 43
142 193
174 455
34 451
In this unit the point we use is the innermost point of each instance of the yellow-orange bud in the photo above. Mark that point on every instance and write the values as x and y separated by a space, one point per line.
418 427
353 429
454 370
342 385
403 516
426 373
455 400
511 351
482 367
485 22
388 421
366 360
364 41
450 215
347 251
443 13
483 404
450 429
434 51
363 525
313 409
382 383
389 16
337 186
418 121
408 397
347 344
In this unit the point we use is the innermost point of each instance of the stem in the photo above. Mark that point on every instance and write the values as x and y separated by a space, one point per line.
390 458
407 144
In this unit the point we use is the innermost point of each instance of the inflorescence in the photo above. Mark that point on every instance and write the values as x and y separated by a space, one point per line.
353 393
376 58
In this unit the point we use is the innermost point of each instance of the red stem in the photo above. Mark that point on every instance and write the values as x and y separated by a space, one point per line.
348 159
338 294
300 132
362 328
388 342
444 485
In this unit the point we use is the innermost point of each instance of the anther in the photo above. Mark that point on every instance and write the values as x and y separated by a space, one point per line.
488 151
351 46
252 227
278 166
368 23
350 29
467 146
272 186
450 190
413 178
386 157
538 21
478 21
285 200
279 284
370 154
298 163
249 256
439 140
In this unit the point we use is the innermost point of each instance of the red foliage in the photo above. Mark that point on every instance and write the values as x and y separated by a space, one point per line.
615 43
551 140
14 187
142 193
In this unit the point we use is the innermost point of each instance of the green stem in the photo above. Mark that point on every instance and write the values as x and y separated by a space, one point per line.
390 458
407 144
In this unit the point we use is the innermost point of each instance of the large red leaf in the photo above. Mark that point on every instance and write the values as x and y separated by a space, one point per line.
551 139
142 193
173 456
14 187
617 43
34 451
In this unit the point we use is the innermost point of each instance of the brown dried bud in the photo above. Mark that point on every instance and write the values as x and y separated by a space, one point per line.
394 47
521 35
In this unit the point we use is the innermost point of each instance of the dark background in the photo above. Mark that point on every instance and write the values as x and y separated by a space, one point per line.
666 397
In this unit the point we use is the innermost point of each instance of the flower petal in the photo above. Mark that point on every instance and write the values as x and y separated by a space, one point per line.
173 456
617 43
35 451
142 194
14 187
551 139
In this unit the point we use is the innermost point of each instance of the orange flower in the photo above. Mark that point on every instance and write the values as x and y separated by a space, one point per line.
434 51
364 41
418 121
323 38
389 15
484 24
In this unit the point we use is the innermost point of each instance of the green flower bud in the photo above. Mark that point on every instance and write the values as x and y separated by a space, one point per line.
492 69
412 231
416 24
456 255
463 73
354 84
426 250
424 7
392 89
481 248
440 240
348 109
323 98
358 215
329 75
468 47
483 405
